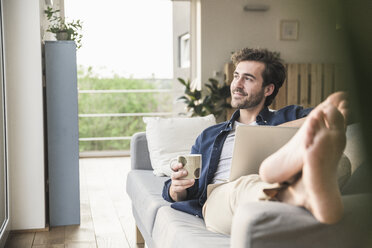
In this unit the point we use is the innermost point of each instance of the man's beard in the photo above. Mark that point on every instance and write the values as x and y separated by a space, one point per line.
250 102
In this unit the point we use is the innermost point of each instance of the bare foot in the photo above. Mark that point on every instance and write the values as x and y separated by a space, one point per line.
282 165
319 178
321 141
341 102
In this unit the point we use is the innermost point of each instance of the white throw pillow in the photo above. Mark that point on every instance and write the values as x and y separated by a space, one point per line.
169 137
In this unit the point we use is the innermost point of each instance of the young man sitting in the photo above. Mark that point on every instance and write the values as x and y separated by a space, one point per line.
257 78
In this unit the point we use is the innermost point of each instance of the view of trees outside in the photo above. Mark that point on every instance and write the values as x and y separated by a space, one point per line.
108 103
126 45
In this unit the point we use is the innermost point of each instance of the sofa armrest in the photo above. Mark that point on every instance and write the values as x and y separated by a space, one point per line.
275 224
139 152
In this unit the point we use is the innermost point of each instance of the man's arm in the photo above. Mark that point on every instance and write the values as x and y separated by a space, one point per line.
337 99
177 188
295 123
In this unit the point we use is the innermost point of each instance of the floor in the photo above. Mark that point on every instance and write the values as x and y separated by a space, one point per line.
106 215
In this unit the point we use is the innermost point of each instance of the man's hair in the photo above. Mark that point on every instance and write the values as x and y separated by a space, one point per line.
274 72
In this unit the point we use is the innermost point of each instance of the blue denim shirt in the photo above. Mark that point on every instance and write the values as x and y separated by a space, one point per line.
210 142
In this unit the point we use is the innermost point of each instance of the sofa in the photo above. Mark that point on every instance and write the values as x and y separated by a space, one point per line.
255 224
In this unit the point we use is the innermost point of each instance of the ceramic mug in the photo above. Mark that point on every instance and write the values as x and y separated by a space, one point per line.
192 163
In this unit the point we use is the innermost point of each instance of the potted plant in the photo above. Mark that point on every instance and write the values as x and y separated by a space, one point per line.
193 99
214 102
62 29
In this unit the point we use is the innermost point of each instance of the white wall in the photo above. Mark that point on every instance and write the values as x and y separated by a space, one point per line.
181 25
225 28
25 113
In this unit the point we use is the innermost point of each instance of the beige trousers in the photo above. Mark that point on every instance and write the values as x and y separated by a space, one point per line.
222 202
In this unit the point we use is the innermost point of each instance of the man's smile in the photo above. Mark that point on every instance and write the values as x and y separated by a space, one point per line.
239 92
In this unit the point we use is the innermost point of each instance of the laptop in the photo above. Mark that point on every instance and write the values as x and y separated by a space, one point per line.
255 143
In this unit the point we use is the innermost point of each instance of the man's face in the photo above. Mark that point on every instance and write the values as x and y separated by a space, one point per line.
246 87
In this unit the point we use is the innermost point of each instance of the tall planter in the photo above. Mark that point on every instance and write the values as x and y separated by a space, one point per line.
62 132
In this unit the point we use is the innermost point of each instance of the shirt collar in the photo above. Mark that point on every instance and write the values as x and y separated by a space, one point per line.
262 118
234 117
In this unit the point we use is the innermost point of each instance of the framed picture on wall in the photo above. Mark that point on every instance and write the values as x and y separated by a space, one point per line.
289 29
184 50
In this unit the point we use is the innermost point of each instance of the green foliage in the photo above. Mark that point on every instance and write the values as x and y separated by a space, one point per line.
115 103
193 99
59 25
215 101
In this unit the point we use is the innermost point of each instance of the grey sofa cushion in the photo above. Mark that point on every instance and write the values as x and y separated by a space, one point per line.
360 182
176 229
144 189
354 149
277 225
139 153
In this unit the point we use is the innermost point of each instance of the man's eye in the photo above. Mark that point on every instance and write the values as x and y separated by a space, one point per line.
236 75
248 79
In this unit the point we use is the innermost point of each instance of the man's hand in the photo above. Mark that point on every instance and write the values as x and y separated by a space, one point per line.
178 186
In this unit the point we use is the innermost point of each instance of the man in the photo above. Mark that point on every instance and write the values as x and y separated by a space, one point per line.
257 78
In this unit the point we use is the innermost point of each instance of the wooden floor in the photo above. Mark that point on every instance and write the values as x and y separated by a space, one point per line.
106 215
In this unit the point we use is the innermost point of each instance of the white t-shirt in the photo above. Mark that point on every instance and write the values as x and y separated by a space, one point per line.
223 170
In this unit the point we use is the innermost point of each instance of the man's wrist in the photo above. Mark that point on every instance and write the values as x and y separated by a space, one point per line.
180 196
172 194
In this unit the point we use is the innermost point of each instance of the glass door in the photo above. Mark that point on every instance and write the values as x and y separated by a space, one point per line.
4 213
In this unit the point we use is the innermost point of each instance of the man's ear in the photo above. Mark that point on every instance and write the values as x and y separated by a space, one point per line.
269 89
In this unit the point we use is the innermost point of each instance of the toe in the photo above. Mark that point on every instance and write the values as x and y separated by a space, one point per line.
334 118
